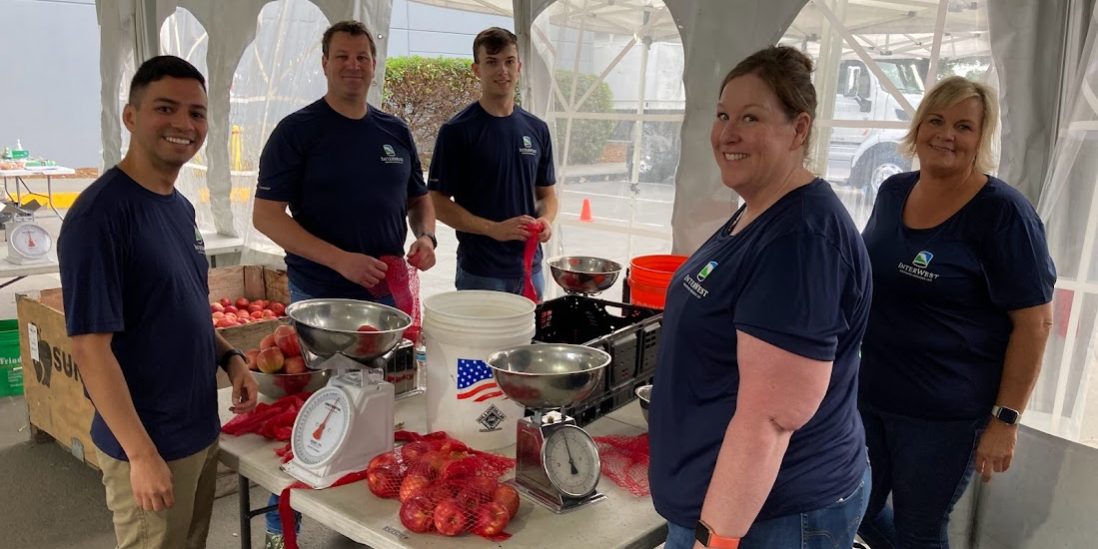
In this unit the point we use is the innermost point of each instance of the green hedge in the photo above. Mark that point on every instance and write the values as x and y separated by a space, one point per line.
588 136
426 92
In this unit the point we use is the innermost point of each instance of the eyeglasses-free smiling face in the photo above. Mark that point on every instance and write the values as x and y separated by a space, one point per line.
754 143
349 66
948 139
168 121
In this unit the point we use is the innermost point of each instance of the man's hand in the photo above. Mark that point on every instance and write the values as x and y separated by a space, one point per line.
421 254
512 229
546 229
361 269
996 448
151 481
245 390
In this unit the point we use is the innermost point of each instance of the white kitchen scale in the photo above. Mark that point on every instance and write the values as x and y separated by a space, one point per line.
342 426
28 242
557 462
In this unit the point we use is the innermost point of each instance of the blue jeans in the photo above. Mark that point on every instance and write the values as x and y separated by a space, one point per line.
297 294
828 528
467 281
925 465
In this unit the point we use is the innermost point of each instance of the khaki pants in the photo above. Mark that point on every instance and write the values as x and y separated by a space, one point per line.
185 525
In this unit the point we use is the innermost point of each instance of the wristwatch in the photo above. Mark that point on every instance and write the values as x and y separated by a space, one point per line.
705 535
1006 415
434 241
223 362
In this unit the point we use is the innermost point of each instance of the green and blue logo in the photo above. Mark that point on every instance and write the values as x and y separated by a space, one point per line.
388 150
526 142
704 272
922 259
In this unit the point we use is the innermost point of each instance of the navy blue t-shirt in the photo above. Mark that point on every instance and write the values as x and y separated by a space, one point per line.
490 166
939 327
798 278
347 182
133 264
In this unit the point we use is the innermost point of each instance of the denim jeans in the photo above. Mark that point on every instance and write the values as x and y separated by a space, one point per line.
467 281
828 528
925 465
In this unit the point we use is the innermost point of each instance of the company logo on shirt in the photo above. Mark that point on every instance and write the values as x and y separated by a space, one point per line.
708 268
918 268
389 155
922 259
527 147
199 244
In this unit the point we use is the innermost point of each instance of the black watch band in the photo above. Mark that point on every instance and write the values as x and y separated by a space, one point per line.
434 241
223 362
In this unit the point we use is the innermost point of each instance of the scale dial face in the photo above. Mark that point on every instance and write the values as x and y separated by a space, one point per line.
321 427
30 240
571 461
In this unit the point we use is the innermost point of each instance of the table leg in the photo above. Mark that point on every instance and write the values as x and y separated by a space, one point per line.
49 197
12 281
244 495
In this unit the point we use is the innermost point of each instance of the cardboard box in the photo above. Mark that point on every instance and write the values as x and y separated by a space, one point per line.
56 404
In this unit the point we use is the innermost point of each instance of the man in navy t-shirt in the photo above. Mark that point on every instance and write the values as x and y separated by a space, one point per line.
492 175
134 280
350 175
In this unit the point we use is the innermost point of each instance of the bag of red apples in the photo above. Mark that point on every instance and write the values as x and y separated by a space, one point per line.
445 487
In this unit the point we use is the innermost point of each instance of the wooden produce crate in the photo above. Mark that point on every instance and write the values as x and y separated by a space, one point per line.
56 404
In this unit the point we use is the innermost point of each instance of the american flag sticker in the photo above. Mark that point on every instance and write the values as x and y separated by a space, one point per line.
475 382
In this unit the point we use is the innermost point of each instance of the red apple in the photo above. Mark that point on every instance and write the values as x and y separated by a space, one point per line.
384 481
386 459
412 486
451 518
460 468
270 360
286 339
277 308
413 451
231 309
216 307
417 514
267 342
242 303
225 302
508 497
294 365
490 519
262 303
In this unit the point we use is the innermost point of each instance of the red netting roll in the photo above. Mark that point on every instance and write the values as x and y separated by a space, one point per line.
625 461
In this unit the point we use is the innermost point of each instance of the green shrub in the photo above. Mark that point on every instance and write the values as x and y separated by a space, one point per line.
588 136
426 92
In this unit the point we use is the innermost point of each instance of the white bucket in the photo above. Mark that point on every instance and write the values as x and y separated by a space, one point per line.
460 330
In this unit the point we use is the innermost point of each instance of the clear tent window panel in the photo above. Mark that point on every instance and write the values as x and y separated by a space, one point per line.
874 63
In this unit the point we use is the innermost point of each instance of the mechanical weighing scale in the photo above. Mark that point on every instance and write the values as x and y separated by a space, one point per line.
28 242
349 421
558 463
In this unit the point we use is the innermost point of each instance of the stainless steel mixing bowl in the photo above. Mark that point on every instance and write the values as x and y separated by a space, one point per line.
584 275
280 385
547 376
329 327
644 395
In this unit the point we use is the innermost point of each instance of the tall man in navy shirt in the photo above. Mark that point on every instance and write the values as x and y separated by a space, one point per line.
350 175
128 246
492 175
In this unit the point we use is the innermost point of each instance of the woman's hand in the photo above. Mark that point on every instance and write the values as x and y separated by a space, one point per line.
996 449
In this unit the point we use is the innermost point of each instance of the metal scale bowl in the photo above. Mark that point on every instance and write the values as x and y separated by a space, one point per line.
584 275
348 422
557 462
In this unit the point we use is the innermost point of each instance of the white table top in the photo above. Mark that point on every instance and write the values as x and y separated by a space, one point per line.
622 520
38 170
217 243
10 270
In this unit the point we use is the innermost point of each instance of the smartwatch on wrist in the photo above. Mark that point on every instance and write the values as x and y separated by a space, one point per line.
223 362
1006 415
434 241
705 535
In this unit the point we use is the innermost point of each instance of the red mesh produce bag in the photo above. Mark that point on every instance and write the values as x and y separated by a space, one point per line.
445 487
625 461
402 282
274 421
531 249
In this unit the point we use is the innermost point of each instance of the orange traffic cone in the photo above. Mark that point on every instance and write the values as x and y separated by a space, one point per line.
585 211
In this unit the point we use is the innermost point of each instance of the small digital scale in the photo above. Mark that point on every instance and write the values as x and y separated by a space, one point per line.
557 462
28 242
342 426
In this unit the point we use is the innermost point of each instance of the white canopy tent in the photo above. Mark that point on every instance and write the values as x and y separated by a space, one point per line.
1041 56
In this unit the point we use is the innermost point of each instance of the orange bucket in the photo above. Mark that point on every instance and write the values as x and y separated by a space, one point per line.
649 276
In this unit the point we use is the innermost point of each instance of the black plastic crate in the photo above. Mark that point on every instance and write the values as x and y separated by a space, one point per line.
631 337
